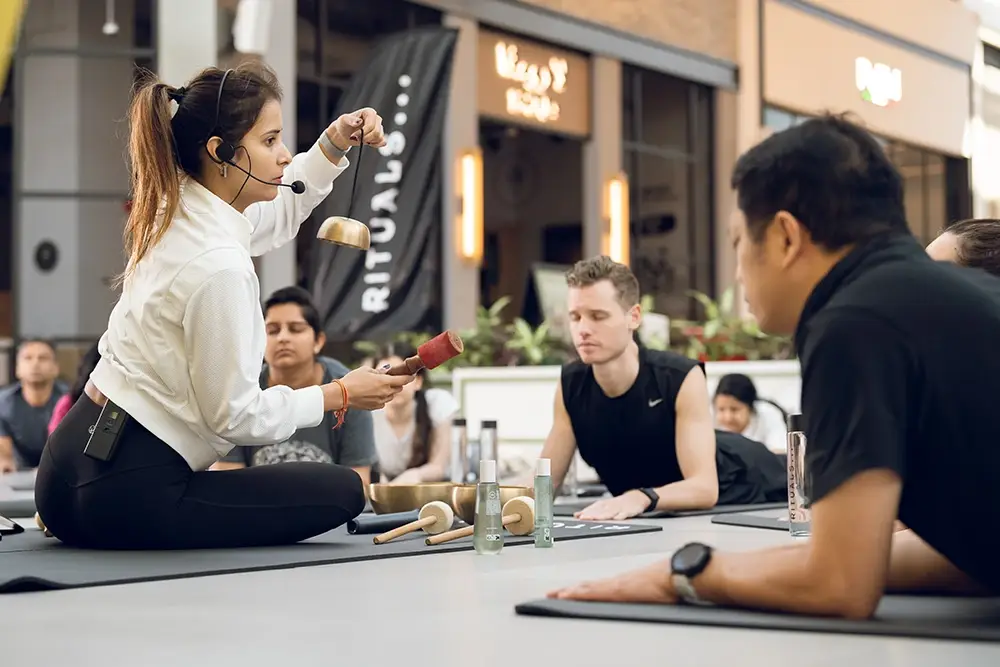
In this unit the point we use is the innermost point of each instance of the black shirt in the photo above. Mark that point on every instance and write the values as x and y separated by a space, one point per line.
630 440
900 364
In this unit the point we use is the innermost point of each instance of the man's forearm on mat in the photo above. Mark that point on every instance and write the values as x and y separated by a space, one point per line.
787 579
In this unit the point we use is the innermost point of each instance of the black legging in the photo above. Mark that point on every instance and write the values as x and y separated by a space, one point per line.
147 497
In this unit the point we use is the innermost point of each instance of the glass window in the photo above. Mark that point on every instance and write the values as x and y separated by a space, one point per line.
667 156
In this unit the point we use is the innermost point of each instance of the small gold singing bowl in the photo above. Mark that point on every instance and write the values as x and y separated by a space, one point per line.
346 232
463 499
392 498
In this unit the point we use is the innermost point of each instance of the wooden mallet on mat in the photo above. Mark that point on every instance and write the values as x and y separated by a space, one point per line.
431 354
518 518
435 517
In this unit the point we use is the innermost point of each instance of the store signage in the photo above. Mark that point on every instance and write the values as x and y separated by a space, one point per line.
877 82
533 86
527 83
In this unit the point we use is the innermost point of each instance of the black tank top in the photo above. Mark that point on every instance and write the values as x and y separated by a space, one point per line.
629 439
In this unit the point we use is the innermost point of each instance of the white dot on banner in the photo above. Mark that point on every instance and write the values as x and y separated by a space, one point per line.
405 80
402 99
400 118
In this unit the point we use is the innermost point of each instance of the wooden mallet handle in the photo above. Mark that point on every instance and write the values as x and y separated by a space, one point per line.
411 527
459 533
435 517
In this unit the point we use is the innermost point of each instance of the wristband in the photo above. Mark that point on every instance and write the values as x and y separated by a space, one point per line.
336 153
342 412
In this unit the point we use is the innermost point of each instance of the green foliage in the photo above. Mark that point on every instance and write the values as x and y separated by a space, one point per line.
723 334
492 342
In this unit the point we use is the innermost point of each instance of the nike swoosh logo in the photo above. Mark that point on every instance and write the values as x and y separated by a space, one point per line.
654 402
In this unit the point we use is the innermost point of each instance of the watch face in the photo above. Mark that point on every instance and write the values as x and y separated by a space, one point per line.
690 559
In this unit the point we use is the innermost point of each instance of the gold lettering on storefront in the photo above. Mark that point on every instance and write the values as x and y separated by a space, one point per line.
532 97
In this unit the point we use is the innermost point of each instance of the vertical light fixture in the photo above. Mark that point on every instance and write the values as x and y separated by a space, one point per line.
470 215
617 214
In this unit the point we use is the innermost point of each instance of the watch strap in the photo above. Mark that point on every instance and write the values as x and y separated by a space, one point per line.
686 592
654 498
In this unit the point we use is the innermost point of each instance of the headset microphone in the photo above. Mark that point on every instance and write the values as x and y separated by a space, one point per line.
298 187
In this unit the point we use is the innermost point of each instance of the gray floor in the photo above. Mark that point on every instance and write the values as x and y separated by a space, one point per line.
441 610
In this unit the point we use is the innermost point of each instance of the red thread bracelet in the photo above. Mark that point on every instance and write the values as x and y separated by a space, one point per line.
341 413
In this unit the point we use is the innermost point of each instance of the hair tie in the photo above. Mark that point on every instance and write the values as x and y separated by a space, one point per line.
177 94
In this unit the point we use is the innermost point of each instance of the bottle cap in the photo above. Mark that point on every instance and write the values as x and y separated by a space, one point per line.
795 423
458 421
488 471
489 423
543 467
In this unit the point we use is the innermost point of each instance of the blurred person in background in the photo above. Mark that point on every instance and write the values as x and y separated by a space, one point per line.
413 432
736 407
974 243
83 371
26 406
293 359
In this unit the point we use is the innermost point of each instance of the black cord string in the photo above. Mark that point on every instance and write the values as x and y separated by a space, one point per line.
357 170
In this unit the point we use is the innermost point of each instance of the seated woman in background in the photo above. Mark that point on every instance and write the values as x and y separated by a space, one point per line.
974 243
83 371
735 406
413 432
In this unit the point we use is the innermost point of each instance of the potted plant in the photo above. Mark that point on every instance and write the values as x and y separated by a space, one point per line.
724 334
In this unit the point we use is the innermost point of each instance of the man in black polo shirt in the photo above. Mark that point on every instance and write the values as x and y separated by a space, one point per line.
900 375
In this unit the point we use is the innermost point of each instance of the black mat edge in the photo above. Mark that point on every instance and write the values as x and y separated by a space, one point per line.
22 508
680 514
745 620
31 584
741 520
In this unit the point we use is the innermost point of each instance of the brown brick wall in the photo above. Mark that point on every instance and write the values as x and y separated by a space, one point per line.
703 26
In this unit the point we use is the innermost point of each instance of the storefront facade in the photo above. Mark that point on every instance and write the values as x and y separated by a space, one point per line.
906 75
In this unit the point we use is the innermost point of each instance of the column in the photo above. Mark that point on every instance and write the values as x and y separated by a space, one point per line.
187 38
737 128
602 153
70 179
277 268
460 281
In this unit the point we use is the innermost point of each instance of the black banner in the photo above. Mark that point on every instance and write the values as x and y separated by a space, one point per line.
394 286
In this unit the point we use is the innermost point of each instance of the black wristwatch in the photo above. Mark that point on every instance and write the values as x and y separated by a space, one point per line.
654 498
688 562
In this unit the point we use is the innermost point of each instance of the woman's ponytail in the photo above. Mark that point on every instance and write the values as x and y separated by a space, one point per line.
155 180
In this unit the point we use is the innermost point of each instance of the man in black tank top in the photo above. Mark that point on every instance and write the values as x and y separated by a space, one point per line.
900 375
641 417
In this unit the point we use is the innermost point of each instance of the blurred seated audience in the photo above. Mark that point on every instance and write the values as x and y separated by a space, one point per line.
974 243
292 358
737 409
413 432
26 406
83 371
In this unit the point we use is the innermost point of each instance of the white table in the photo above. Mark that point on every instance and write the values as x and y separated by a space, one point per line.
384 612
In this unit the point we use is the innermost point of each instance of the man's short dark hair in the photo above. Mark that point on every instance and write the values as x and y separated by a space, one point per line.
299 297
828 172
24 342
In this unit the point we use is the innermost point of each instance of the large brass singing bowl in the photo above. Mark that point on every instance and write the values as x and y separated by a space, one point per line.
463 499
346 232
392 498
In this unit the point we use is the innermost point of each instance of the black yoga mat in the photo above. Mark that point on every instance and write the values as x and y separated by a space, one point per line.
31 562
753 521
567 508
19 481
20 505
897 615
